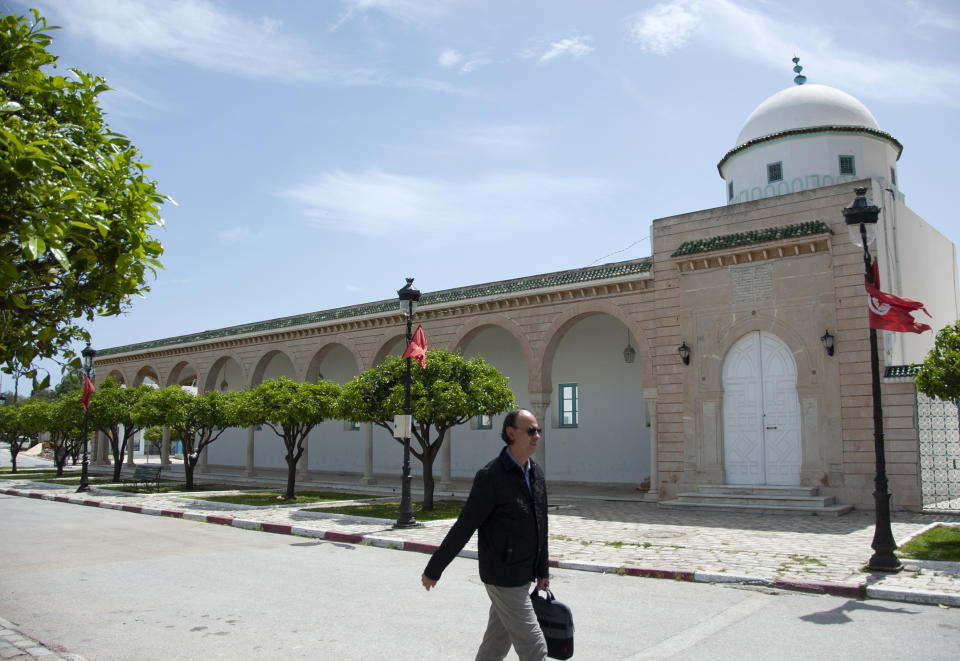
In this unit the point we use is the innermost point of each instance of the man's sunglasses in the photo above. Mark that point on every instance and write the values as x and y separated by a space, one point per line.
531 431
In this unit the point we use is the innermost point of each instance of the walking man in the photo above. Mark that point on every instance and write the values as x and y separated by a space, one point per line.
508 506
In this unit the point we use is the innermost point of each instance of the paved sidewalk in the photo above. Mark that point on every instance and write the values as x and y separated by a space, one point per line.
593 529
17 645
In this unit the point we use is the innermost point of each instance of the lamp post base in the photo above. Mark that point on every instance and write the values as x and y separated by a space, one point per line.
405 517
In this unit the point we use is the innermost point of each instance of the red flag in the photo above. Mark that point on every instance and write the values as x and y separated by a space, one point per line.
889 312
417 349
88 390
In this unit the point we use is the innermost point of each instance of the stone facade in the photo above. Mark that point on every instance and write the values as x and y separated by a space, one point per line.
782 268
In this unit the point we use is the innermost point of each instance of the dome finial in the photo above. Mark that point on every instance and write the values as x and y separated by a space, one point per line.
799 79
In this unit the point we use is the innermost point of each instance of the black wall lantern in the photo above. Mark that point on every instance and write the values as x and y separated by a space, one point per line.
684 351
827 340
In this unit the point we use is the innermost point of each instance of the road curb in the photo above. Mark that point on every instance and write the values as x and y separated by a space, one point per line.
852 591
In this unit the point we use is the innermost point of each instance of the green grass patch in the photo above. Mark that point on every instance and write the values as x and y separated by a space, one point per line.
75 479
32 475
442 509
172 487
940 543
805 560
268 498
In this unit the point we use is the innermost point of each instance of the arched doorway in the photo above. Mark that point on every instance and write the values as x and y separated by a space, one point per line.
761 412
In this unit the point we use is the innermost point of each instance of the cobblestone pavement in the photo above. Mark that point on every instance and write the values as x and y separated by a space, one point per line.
594 530
17 645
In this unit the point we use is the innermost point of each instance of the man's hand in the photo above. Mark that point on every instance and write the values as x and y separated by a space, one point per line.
542 583
427 582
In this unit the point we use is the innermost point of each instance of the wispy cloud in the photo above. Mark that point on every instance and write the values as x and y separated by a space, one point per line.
667 26
236 235
377 204
206 35
924 17
575 47
505 140
743 30
451 58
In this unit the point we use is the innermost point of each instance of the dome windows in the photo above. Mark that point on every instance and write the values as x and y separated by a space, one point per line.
774 172
847 165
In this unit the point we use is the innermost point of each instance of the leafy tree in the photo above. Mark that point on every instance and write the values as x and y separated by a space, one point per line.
939 375
72 381
291 410
65 418
11 431
111 412
34 418
198 420
448 392
76 208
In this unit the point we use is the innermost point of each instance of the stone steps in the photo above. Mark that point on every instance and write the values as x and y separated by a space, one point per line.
758 499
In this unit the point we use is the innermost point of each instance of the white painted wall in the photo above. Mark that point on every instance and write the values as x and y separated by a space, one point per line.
922 266
612 442
809 161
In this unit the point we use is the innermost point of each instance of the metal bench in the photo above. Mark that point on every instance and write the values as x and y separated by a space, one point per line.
146 475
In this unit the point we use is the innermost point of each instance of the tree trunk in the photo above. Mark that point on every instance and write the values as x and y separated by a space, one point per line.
14 451
117 453
427 482
60 458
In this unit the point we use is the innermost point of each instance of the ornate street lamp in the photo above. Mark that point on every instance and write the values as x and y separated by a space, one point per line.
402 424
88 354
861 218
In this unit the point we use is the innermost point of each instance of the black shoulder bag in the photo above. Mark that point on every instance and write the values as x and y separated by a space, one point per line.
556 622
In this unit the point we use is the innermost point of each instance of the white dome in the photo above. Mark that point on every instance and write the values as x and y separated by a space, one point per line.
805 106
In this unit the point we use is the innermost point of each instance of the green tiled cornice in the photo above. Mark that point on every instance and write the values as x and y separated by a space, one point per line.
812 130
544 281
752 237
894 371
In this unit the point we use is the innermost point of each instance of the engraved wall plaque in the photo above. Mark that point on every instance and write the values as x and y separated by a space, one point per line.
752 284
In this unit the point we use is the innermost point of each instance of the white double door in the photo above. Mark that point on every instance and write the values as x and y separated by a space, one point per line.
761 412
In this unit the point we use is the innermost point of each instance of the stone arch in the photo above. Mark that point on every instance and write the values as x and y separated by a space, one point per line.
711 366
218 365
256 375
541 369
181 372
147 371
470 330
385 342
313 366
117 375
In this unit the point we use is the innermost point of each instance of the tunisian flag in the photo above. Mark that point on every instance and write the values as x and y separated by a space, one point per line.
889 312
88 390
417 349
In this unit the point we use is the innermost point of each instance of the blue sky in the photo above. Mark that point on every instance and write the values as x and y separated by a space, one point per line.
320 152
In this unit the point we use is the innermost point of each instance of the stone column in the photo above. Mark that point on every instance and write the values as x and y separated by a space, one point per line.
539 403
165 448
95 448
650 398
202 463
368 477
251 433
446 481
130 461
104 449
303 466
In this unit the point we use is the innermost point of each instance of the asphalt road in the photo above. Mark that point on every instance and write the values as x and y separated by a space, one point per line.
115 585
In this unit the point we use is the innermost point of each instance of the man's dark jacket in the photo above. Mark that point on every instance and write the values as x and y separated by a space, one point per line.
512 525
